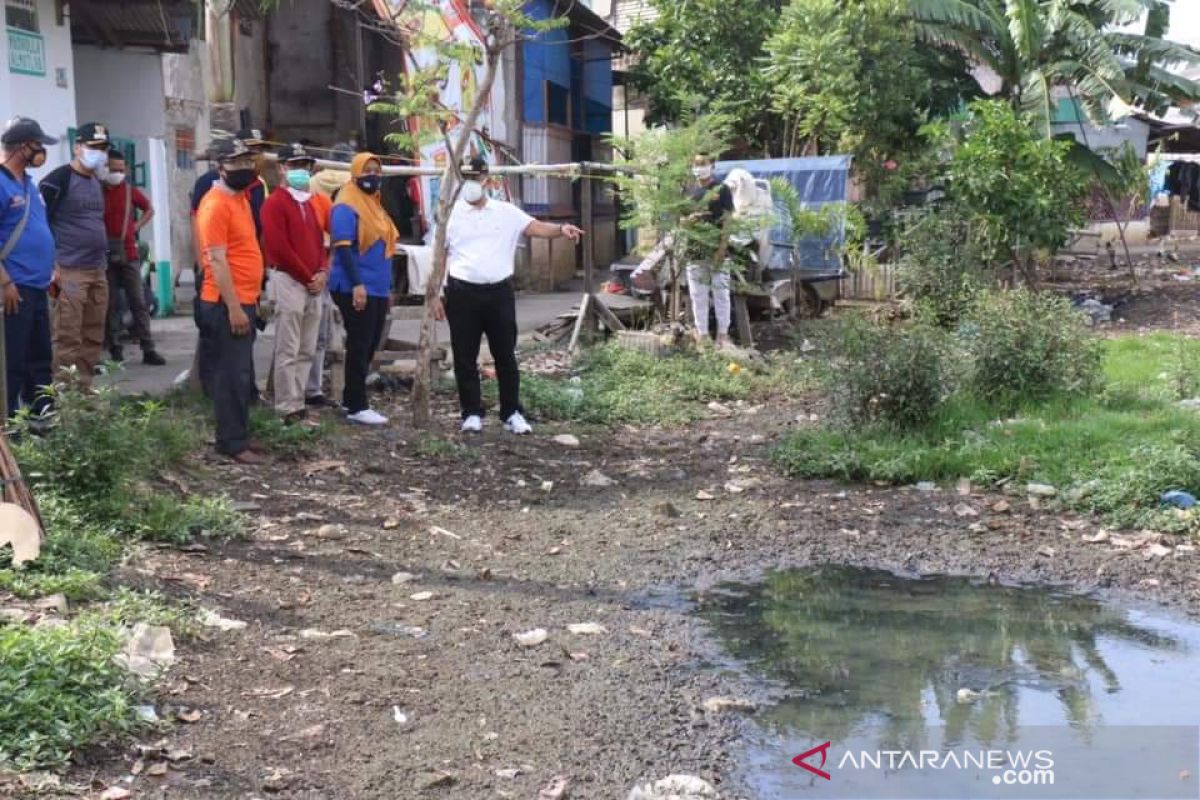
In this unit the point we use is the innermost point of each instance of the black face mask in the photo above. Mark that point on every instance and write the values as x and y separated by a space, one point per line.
239 179
36 156
370 183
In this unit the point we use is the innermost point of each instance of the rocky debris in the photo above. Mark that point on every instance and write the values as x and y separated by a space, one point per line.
965 695
587 629
1040 490
211 619
597 478
531 638
675 787
438 779
556 789
566 440
720 705
1096 311
149 651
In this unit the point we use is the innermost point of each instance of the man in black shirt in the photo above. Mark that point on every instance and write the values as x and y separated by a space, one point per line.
706 239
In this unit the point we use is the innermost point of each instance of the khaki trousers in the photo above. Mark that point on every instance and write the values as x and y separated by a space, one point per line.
78 320
297 323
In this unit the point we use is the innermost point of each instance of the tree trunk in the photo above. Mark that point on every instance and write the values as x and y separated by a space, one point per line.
449 193
1116 218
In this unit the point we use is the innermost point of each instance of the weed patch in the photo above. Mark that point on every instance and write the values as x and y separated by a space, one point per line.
1113 453
613 385
62 691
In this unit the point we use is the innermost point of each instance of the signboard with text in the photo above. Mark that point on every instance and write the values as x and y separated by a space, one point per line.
26 53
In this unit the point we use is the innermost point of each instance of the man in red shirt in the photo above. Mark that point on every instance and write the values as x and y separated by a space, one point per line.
126 212
294 223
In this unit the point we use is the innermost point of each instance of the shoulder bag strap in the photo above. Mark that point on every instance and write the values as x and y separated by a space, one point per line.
15 236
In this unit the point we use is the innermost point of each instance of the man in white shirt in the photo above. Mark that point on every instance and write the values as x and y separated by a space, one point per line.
478 299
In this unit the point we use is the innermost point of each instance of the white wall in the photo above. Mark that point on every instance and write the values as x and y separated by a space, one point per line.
186 81
124 90
41 97
121 88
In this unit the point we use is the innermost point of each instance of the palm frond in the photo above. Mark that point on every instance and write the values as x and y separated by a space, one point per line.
1027 28
1035 101
964 14
1162 51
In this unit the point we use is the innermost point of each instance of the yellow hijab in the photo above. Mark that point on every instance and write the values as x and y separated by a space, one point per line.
374 224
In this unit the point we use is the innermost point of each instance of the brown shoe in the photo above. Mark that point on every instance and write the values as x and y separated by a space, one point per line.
295 418
249 458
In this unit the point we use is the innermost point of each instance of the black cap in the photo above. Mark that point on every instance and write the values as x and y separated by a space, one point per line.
251 137
475 168
294 153
23 129
228 150
92 133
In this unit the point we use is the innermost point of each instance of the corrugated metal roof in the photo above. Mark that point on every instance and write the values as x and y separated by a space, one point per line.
161 24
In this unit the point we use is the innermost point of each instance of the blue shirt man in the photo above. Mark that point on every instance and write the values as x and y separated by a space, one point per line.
26 268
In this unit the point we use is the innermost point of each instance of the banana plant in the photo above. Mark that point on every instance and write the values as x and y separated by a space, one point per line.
1035 46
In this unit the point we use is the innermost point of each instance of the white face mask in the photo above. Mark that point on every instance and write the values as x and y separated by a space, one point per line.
703 173
114 178
472 191
93 159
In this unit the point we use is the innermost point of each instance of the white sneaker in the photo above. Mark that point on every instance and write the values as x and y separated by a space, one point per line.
368 417
517 424
472 424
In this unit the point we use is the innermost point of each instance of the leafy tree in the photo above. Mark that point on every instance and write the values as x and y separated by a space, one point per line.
1020 191
698 56
1034 46
849 76
657 179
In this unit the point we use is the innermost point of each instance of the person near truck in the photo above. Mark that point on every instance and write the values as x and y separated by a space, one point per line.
294 222
706 236
126 211
26 267
74 198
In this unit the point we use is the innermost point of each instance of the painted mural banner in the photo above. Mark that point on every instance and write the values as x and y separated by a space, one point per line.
26 53
450 21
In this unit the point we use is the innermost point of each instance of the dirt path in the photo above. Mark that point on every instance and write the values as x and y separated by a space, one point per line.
499 537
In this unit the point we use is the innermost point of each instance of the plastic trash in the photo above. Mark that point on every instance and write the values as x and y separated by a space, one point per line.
1178 499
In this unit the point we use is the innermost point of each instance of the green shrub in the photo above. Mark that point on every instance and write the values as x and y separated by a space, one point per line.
60 690
895 375
940 270
102 442
1026 345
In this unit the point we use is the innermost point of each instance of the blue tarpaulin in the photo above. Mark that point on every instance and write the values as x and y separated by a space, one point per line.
818 181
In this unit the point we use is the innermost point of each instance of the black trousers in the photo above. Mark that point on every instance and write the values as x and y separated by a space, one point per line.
364 332
476 310
125 276
230 375
28 351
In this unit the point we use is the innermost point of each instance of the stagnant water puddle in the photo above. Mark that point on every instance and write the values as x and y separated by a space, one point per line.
953 688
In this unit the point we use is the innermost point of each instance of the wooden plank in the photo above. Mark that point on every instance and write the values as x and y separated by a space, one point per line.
741 316
610 319
580 320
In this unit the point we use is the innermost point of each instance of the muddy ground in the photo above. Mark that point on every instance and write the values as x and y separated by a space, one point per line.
504 535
